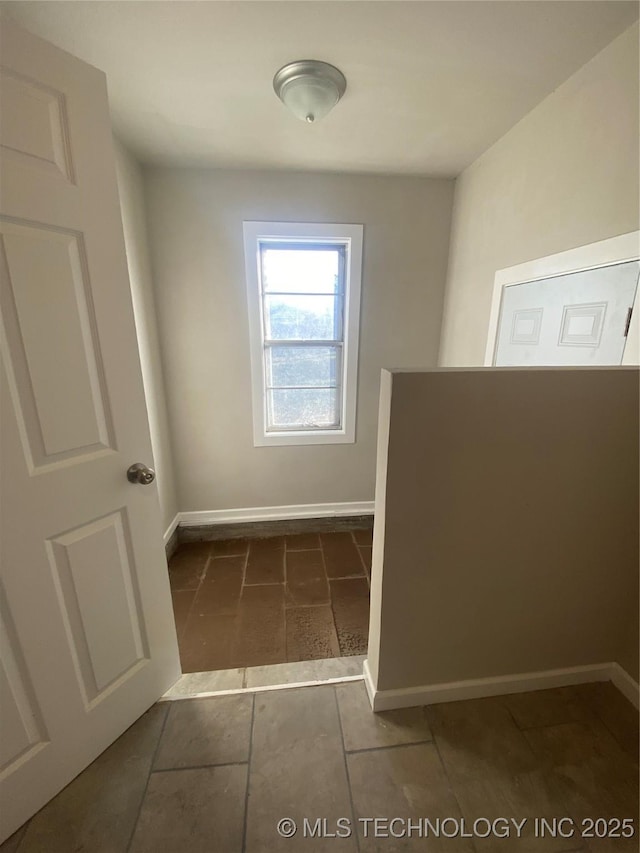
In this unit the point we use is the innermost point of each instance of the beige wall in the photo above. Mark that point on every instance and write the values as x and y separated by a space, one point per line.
130 186
195 220
507 520
565 176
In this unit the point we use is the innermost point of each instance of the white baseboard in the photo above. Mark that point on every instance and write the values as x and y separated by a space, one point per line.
476 688
368 683
274 513
625 684
171 529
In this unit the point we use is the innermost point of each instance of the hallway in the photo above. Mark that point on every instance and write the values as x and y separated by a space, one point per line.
216 775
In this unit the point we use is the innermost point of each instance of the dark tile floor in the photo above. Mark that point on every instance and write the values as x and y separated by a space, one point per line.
252 602
216 775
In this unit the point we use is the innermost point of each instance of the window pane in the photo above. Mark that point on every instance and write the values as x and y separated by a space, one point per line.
300 318
306 365
316 408
300 270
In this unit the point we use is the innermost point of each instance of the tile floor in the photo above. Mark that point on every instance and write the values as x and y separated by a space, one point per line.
216 775
255 602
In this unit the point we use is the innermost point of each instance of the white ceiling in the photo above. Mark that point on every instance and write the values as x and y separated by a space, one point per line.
430 85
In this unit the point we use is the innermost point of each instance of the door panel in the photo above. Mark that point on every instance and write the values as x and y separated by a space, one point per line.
23 729
96 587
87 625
575 319
34 124
52 333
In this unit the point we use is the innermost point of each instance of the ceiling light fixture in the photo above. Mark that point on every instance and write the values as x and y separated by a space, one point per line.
310 88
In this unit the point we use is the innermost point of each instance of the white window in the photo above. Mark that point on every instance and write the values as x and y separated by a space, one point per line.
303 290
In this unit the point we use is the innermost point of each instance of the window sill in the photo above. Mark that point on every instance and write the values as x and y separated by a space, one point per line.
284 439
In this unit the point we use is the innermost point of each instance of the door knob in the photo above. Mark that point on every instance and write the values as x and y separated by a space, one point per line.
139 473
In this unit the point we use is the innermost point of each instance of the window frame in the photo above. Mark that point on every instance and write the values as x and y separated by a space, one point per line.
350 236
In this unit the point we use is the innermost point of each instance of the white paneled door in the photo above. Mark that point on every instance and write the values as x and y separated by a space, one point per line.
581 318
87 634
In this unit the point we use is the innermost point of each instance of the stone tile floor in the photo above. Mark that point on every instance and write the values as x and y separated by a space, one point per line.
254 602
216 775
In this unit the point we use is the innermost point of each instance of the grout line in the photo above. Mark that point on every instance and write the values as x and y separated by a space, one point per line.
284 599
388 746
349 577
506 707
214 558
237 617
585 848
333 613
445 770
346 769
367 572
592 709
244 570
25 830
198 767
540 726
182 634
246 796
186 619
146 787
520 731
206 568
263 688
603 723
284 607
293 550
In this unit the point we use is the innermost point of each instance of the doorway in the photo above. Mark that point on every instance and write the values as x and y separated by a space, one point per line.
574 308
256 600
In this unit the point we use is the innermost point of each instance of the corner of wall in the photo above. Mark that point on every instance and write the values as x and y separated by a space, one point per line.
134 223
375 608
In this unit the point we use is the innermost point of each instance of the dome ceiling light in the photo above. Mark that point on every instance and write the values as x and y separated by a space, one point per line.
309 88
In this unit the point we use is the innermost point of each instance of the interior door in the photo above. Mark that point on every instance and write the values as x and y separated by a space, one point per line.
87 633
581 318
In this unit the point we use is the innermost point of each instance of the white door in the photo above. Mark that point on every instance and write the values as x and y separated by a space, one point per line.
87 633
577 319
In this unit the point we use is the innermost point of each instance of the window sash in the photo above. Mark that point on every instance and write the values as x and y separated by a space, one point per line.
290 276
338 368
338 316
274 244
337 387
273 427
339 296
